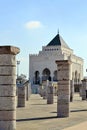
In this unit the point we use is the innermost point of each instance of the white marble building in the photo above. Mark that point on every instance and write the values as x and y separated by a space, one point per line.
42 66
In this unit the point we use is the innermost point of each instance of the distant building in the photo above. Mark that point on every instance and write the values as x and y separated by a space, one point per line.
42 66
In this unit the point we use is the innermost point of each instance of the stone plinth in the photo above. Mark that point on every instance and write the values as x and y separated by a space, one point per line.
21 96
63 88
84 88
50 93
8 87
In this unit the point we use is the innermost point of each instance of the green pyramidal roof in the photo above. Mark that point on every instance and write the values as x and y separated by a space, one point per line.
57 41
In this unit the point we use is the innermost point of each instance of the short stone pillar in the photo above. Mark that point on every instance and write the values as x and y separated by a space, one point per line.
63 67
26 85
50 93
27 92
21 96
84 88
80 89
55 88
71 90
8 87
30 92
44 90
40 90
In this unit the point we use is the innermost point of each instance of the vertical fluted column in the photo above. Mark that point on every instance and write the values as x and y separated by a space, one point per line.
63 88
8 87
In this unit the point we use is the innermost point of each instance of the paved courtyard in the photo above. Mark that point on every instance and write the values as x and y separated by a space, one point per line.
38 115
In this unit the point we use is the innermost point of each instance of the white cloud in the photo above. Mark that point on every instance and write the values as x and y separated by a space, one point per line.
33 25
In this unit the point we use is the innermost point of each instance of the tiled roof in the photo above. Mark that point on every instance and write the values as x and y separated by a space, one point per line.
57 41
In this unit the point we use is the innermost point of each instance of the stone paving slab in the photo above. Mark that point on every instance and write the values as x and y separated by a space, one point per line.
38 115
81 126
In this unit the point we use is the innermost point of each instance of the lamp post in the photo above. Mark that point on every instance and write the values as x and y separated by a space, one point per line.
18 62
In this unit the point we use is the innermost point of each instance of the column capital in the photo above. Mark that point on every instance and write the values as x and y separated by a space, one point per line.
9 50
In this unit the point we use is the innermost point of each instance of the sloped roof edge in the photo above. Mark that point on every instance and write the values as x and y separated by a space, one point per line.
57 41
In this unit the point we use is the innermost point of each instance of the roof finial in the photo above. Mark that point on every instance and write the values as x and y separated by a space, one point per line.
58 31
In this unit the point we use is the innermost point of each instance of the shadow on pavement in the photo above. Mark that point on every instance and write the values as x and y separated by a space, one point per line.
73 110
37 118
78 110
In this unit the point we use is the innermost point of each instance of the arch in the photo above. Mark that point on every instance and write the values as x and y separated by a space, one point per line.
46 74
36 77
55 76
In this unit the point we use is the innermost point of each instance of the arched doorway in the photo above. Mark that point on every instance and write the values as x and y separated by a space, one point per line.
37 78
46 75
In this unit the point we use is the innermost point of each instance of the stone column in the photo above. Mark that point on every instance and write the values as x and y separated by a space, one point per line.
50 93
71 90
8 87
21 96
30 92
44 89
63 67
84 88
27 92
44 92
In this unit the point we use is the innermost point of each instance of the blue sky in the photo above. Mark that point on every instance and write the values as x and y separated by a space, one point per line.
31 24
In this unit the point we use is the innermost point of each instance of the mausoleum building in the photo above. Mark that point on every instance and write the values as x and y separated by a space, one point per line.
42 66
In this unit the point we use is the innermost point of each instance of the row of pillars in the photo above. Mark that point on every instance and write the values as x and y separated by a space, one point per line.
65 89
46 91
8 88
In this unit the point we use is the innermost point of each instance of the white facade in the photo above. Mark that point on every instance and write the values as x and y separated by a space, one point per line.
42 66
